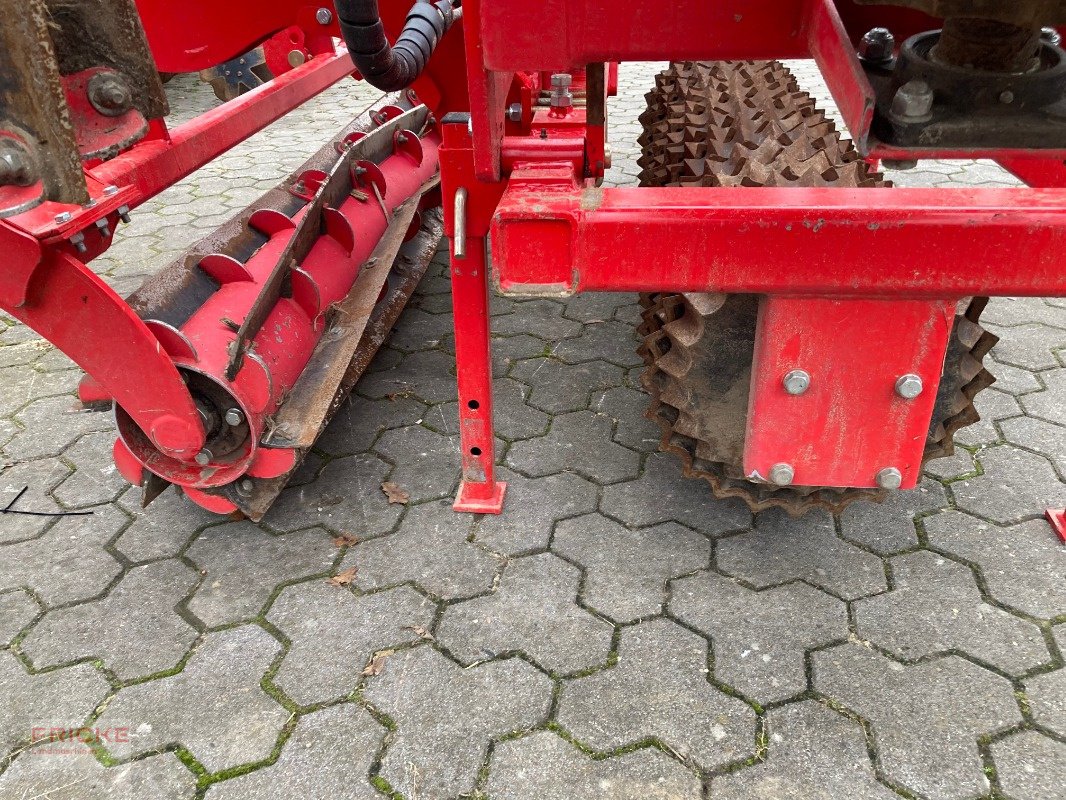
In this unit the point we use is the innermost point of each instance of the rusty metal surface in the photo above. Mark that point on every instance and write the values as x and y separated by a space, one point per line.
736 124
32 102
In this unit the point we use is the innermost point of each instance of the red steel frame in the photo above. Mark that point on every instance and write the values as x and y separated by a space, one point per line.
834 265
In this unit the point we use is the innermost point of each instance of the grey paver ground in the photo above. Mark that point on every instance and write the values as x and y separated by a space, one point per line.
914 646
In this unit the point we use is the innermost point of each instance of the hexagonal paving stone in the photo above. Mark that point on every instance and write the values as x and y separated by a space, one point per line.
926 718
1030 766
82 777
134 630
446 716
1016 484
96 479
427 463
51 425
1047 693
559 387
532 507
418 330
69 562
813 752
333 634
346 496
760 638
243 564
1011 311
889 527
164 528
1022 565
328 756
540 318
1029 346
214 707
935 606
659 689
428 376
596 307
63 698
533 611
23 385
626 408
17 610
614 342
626 571
360 421
544 766
1036 434
580 442
662 493
1049 403
38 478
782 549
431 549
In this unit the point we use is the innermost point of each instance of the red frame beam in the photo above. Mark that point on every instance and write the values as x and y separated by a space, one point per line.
550 237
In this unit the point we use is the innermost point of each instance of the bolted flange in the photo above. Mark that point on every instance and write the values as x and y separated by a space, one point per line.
782 474
889 478
110 94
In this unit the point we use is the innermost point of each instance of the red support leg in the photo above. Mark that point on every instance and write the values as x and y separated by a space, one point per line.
479 491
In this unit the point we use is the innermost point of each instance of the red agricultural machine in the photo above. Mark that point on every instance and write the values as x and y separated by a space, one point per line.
812 335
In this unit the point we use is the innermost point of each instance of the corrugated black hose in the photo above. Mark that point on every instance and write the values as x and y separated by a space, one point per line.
397 67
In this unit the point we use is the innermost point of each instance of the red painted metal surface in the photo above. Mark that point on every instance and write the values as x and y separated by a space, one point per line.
548 235
850 423
1057 518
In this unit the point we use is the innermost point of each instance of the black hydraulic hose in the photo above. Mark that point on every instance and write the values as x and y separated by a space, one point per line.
397 67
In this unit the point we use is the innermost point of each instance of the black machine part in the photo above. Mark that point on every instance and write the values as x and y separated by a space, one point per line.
392 68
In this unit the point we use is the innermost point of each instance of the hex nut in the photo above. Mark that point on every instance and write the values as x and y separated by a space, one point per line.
913 101
878 46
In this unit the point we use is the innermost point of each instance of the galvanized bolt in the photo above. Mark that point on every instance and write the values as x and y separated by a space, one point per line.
889 478
1007 97
797 382
203 458
561 98
324 16
1051 36
245 487
124 214
514 112
782 474
17 167
110 94
78 240
110 191
63 217
913 101
877 46
104 228
234 417
909 386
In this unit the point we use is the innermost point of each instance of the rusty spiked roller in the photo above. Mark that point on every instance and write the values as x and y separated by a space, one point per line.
271 320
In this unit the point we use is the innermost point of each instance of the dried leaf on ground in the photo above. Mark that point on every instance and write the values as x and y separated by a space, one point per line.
345 540
418 630
395 493
343 578
377 663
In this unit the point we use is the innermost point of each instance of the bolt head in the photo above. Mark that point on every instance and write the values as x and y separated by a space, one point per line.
245 486
203 458
797 382
562 80
782 474
63 217
110 191
110 94
909 386
514 112
1006 98
17 166
877 46
889 478
913 101
234 417
323 16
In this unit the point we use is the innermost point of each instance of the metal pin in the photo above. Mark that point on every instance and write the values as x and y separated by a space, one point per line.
459 224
